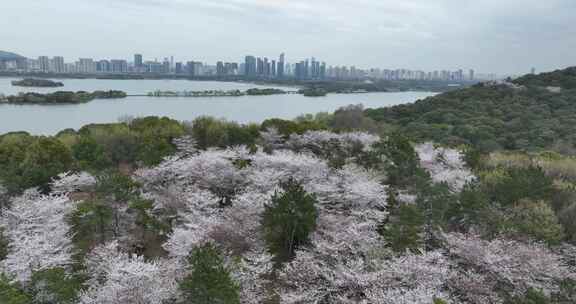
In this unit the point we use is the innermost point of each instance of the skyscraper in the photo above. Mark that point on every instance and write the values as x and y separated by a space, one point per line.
250 66
220 71
190 68
58 63
259 66
281 64
166 66
44 63
178 68
86 65
267 69
138 60
118 66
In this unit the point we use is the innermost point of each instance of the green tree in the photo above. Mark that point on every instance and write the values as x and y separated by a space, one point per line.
27 161
90 155
404 230
4 245
155 137
116 186
402 161
210 281
11 293
468 209
150 231
54 285
209 132
537 220
532 296
520 183
90 223
289 220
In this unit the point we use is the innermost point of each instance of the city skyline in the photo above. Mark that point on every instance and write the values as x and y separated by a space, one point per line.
250 67
415 34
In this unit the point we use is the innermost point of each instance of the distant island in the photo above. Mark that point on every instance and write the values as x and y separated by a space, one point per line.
41 83
313 92
60 97
218 93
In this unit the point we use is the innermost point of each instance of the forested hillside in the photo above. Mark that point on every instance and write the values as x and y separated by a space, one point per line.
522 116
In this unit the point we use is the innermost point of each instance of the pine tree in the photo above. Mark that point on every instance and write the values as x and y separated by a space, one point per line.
289 220
210 281
405 229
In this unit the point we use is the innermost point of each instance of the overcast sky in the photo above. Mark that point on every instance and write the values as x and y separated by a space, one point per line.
501 36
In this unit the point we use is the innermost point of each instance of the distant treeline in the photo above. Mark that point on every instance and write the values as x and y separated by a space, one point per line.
61 97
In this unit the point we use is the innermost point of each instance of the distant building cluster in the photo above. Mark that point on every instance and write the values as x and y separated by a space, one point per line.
251 68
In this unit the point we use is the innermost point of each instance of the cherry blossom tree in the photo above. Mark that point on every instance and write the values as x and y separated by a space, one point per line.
72 182
117 278
407 279
444 165
36 228
515 265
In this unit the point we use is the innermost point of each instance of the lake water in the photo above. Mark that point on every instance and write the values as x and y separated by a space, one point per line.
48 120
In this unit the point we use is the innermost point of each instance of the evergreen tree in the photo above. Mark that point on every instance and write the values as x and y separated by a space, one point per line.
209 281
54 285
12 294
405 229
289 220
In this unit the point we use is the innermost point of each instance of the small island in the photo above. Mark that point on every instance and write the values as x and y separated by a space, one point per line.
262 92
313 92
60 97
40 83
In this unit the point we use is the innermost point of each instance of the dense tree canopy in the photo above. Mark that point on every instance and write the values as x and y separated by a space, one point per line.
491 116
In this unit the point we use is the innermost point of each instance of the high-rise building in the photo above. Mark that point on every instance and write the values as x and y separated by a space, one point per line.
281 64
259 66
220 71
153 67
273 72
250 66
58 63
118 66
103 66
138 61
86 66
471 75
44 64
166 66
178 68
323 70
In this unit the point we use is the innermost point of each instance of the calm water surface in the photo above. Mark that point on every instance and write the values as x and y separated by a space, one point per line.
49 120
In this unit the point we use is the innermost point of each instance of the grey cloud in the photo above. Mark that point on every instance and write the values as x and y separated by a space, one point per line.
504 36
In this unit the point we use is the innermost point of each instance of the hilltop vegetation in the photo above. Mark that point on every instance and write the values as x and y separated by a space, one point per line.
493 116
565 79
